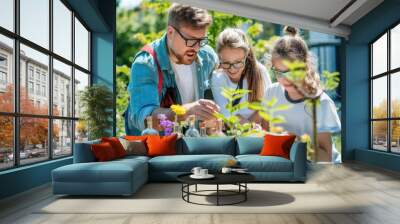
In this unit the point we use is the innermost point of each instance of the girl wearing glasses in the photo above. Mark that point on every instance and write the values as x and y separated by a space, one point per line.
291 47
238 69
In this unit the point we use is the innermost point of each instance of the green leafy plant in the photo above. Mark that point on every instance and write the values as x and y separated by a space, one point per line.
266 109
235 128
97 103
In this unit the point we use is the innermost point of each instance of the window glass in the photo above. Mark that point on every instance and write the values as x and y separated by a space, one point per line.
379 56
6 74
62 141
395 47
379 98
34 143
7 14
81 45
81 82
6 142
34 21
62 29
379 135
31 58
62 91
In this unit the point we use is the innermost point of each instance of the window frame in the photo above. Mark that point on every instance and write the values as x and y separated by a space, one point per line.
16 114
388 74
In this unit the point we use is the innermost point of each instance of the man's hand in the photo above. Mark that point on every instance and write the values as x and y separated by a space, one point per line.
203 109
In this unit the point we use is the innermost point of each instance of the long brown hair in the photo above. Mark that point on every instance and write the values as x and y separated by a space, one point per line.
236 38
292 47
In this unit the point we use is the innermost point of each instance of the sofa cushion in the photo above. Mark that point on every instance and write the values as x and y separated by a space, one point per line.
249 145
103 152
206 145
257 163
116 145
111 171
277 145
161 145
185 163
136 147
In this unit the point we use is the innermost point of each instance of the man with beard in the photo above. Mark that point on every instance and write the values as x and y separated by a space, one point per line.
174 69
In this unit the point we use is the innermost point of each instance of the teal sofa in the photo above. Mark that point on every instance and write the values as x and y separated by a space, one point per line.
125 176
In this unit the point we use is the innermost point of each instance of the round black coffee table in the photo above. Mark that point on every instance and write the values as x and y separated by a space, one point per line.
238 179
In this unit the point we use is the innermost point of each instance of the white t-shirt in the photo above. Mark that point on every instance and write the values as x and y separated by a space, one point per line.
186 81
299 117
221 79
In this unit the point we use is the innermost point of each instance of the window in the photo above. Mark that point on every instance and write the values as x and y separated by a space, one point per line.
30 87
6 142
47 76
62 74
43 77
6 74
3 78
3 72
44 91
7 14
62 29
62 140
37 74
3 61
35 22
30 72
81 45
385 97
38 89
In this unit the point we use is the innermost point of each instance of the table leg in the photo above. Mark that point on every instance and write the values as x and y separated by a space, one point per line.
188 190
245 193
196 188
217 194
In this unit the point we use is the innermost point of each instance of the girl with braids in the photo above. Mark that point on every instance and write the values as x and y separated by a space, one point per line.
238 69
291 47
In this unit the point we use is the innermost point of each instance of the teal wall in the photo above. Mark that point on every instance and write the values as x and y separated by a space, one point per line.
355 55
24 178
99 15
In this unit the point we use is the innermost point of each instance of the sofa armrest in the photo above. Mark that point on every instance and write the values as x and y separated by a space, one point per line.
299 159
83 152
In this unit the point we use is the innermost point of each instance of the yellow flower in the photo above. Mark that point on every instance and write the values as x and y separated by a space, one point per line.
178 109
305 138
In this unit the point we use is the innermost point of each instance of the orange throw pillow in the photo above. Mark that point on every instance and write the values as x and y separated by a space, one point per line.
277 145
116 145
103 152
161 145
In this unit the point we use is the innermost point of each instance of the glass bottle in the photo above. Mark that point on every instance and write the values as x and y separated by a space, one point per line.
220 127
192 131
177 130
149 127
203 129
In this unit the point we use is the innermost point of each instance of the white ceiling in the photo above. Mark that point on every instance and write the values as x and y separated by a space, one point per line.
316 15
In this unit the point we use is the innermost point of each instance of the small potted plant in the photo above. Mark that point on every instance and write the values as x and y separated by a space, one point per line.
97 103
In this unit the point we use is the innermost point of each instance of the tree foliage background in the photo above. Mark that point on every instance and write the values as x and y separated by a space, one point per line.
147 22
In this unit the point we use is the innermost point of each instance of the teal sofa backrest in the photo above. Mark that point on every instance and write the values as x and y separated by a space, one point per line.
206 145
83 152
249 145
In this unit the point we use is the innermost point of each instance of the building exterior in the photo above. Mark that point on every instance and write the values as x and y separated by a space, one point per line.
34 80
